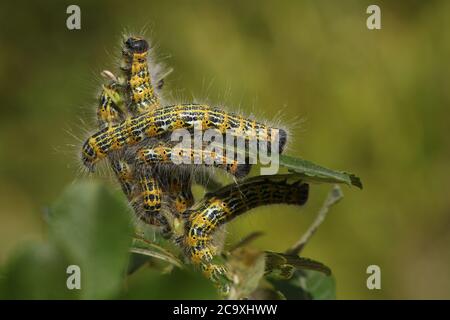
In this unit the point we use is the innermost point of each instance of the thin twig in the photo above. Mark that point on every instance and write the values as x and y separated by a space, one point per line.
246 240
334 196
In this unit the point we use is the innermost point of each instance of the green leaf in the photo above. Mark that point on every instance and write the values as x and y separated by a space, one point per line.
151 248
136 261
36 271
157 254
307 285
318 285
283 266
308 170
315 173
93 227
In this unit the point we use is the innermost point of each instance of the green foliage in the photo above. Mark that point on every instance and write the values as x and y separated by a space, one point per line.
90 226
36 271
283 266
306 285
93 228
315 173
372 101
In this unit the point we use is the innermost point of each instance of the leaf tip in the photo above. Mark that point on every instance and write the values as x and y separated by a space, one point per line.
356 181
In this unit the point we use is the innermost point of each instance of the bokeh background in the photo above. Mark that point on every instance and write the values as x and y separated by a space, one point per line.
371 102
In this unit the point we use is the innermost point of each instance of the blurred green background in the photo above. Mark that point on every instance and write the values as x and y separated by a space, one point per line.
371 102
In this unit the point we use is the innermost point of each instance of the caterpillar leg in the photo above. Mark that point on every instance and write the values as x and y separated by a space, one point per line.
166 153
220 207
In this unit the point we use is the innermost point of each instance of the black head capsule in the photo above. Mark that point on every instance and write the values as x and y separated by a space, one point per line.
88 156
136 45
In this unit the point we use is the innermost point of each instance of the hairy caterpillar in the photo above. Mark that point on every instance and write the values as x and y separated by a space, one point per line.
164 153
218 208
180 193
141 98
108 114
147 203
134 130
141 94
165 120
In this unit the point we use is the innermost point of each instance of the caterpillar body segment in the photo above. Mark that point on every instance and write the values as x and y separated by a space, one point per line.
218 275
151 194
218 208
165 120
180 193
167 154
125 175
148 202
108 114
141 94
108 111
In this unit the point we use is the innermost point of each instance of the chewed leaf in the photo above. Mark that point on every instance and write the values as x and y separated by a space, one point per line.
283 266
315 173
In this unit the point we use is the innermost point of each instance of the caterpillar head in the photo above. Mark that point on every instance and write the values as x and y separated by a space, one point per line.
89 155
135 45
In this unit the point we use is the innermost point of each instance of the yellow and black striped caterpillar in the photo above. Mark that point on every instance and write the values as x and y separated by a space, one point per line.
142 189
133 134
164 153
218 208
165 120
141 95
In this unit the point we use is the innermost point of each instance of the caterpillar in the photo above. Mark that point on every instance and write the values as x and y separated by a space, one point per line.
143 191
108 114
164 154
141 98
147 203
220 207
133 135
141 94
164 120
180 193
